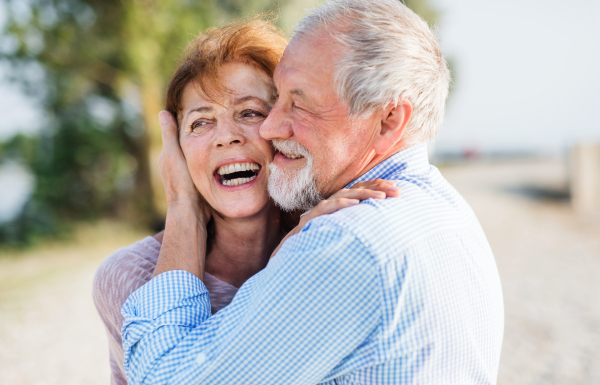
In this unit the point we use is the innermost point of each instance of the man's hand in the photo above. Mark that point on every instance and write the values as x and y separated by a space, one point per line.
376 189
184 242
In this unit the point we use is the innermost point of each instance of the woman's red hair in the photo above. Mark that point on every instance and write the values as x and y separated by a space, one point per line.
257 42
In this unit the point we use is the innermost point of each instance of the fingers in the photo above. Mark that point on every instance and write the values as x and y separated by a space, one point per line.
173 167
168 127
377 189
386 186
328 206
373 183
360 194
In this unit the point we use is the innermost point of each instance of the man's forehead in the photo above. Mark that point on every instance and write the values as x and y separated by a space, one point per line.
310 56
318 44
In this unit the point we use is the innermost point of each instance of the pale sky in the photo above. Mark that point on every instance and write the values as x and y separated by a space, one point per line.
528 76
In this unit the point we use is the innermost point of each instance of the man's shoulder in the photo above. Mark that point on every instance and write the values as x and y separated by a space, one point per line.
427 205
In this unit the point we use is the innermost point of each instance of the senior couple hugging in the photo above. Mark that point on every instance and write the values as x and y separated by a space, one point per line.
368 285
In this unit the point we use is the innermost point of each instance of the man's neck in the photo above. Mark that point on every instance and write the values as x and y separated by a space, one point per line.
367 162
242 246
378 158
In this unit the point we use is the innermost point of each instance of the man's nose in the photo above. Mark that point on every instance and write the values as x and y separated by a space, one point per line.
277 125
228 134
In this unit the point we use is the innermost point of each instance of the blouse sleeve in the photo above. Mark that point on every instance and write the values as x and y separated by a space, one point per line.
119 275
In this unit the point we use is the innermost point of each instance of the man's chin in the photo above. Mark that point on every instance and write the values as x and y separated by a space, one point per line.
292 189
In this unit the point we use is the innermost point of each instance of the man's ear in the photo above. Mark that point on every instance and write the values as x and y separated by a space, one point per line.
394 121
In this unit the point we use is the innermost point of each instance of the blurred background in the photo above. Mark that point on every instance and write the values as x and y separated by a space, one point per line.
82 81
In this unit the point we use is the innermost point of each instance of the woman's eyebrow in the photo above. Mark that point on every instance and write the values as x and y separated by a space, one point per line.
198 109
244 99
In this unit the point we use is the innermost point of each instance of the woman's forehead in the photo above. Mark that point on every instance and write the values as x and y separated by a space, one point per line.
238 80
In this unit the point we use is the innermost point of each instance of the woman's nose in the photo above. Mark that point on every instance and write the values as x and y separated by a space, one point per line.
228 134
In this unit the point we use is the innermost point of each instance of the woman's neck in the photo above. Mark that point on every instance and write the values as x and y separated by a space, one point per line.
242 246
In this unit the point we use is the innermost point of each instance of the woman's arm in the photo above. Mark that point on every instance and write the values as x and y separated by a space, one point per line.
119 275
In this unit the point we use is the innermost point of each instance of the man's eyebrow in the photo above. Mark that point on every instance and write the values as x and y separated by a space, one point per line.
298 92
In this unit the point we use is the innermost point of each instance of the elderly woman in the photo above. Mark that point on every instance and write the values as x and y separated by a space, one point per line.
219 95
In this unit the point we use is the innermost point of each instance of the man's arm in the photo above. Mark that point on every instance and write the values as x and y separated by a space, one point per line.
315 303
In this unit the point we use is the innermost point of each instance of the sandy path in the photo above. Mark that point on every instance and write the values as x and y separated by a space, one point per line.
50 332
549 262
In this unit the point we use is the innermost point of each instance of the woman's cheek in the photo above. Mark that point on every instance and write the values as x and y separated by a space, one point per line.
197 164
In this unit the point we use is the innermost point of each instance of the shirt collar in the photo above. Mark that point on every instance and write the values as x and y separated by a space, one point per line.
410 161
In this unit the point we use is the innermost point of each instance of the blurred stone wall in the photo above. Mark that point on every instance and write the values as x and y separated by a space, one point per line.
585 178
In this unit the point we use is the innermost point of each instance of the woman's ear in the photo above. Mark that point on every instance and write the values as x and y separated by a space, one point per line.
394 121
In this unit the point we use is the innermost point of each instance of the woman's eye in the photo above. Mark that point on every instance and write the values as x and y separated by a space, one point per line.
252 114
198 124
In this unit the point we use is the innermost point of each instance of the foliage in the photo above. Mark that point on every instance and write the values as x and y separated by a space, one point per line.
423 9
99 69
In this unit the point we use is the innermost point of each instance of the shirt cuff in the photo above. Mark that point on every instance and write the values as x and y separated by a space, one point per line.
176 298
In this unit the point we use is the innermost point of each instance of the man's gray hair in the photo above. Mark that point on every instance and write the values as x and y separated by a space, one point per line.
392 54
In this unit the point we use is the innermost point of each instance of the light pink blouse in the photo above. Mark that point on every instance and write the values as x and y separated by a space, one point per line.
122 273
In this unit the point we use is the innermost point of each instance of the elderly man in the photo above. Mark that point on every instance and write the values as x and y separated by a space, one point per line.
396 291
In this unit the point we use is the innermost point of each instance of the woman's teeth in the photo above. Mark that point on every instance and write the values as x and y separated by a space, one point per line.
237 167
238 181
235 174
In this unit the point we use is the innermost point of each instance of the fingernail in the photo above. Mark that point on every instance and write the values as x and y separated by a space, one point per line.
164 117
353 201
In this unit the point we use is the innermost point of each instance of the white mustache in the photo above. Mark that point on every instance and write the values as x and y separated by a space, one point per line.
291 148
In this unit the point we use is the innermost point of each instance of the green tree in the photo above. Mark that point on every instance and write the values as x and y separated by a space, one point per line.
424 9
99 68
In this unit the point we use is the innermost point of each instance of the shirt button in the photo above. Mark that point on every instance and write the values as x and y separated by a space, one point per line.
201 358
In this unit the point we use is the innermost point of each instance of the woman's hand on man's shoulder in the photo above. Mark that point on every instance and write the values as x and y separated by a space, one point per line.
371 189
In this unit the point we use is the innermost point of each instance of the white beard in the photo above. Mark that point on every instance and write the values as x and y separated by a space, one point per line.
293 190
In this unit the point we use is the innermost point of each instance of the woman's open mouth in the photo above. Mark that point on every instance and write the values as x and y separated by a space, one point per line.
235 174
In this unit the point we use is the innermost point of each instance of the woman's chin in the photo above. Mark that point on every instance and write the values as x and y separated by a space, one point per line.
243 209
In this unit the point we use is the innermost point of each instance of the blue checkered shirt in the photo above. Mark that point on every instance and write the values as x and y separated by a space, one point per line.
394 291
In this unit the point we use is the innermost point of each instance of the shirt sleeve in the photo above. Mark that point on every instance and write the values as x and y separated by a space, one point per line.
293 323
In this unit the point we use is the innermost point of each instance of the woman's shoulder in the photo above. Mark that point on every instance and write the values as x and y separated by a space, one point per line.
137 258
124 271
